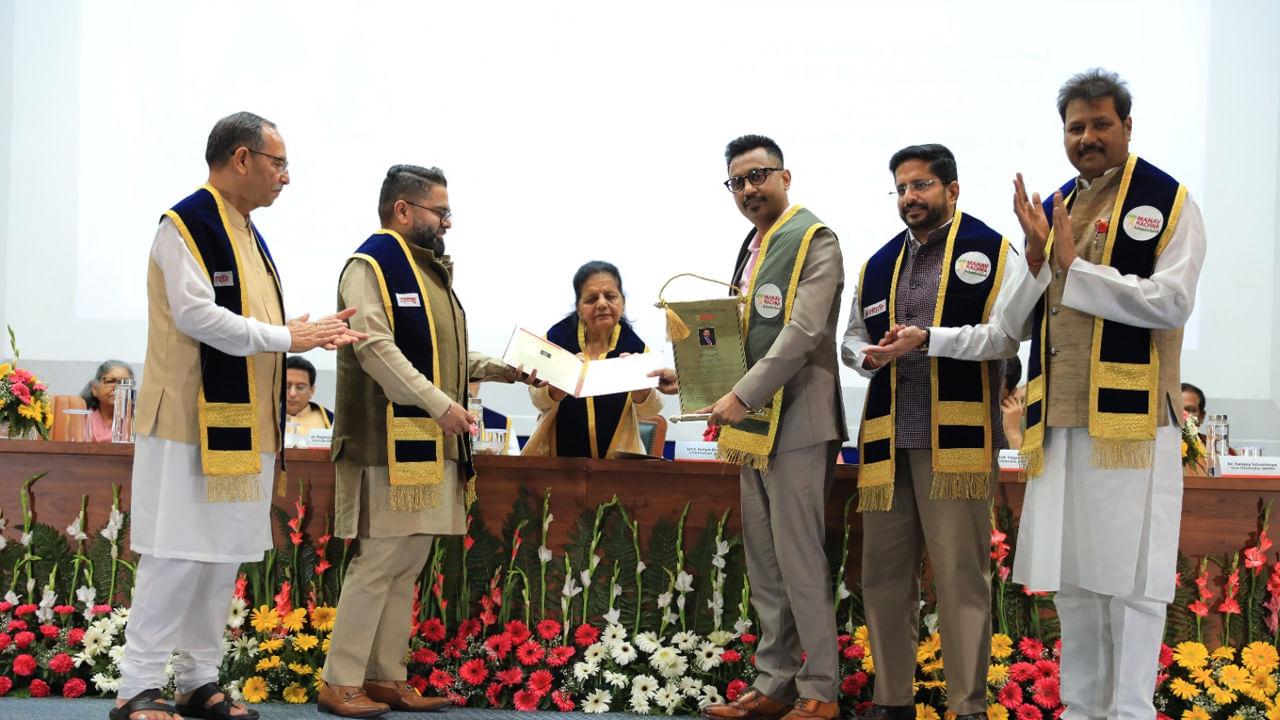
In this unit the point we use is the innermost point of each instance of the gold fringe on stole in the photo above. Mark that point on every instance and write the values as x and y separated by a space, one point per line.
960 486
1035 463
469 497
875 497
1115 454
676 329
415 498
739 456
282 484
232 488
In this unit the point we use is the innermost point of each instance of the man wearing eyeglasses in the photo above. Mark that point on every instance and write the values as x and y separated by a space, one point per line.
922 329
401 450
208 422
300 387
791 272
1113 258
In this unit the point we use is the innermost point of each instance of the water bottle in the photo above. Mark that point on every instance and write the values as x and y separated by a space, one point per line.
122 420
1218 443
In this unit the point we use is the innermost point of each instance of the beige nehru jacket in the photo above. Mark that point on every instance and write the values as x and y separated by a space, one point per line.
1069 350
168 399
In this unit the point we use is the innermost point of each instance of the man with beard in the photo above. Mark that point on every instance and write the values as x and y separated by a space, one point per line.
790 268
1114 258
401 450
921 329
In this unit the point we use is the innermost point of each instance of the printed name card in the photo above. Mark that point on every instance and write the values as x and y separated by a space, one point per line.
320 438
1012 461
1249 467
695 450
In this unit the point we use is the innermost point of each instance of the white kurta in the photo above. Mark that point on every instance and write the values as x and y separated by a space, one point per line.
1114 532
170 517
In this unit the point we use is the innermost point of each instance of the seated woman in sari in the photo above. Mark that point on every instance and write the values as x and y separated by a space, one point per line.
605 424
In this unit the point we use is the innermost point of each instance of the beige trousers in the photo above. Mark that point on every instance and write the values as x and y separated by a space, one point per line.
957 535
371 632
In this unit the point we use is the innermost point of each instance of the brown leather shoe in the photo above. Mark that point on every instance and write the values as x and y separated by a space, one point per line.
810 709
348 701
400 695
750 705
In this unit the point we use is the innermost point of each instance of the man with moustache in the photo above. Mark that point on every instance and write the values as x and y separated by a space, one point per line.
208 422
923 327
1114 257
791 271
401 450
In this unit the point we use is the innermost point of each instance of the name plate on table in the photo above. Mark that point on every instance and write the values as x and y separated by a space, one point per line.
1012 461
1249 467
695 450
320 438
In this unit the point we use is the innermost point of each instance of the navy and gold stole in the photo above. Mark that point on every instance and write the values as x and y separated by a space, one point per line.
772 286
1124 369
586 427
415 442
230 454
960 391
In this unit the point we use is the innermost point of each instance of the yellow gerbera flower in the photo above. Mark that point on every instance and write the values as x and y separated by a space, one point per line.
862 637
322 617
293 621
1182 689
1225 653
255 689
933 684
305 642
1232 677
868 663
301 669
928 648
1222 696
1273 712
295 693
324 648
997 674
1190 655
1195 712
1204 676
926 712
1265 683
265 619
270 646
5 369
1260 657
1001 648
997 712
268 663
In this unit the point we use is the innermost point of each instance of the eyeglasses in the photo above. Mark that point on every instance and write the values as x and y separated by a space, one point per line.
112 380
444 215
737 183
281 165
917 185
298 387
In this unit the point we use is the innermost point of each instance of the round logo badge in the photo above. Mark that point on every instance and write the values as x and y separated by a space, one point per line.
1143 223
973 267
768 300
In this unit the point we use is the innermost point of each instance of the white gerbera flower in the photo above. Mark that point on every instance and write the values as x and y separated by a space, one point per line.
597 702
584 670
243 647
623 653
647 641
105 626
239 611
644 685
685 640
120 616
613 634
234 688
616 679
116 653
710 696
639 704
105 684
709 656
690 686
95 641
595 652
667 698
83 658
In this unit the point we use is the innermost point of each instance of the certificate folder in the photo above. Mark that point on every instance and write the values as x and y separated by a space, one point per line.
580 378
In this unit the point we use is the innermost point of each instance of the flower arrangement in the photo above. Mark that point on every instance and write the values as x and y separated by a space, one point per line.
500 620
24 400
1192 449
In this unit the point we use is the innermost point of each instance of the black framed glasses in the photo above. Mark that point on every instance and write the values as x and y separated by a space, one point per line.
737 183
281 165
444 215
917 185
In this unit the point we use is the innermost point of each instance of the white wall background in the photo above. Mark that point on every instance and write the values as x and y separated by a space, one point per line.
573 131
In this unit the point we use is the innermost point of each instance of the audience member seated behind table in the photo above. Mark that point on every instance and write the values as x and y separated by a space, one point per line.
1193 404
300 383
605 424
1013 402
100 397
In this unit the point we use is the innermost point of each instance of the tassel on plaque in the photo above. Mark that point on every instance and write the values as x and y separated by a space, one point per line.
676 329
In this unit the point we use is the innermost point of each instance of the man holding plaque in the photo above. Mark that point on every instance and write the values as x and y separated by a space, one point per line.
1114 257
931 429
791 272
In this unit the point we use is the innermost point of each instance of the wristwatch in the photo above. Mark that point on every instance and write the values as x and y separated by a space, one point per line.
924 346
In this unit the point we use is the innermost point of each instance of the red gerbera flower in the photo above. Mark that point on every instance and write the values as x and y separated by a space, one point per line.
549 629
1048 668
469 628
526 700
1027 711
560 655
433 630
529 652
1010 695
426 656
510 676
498 645
473 671
492 692
453 647
1031 648
1166 655
540 682
734 689
1046 691
585 635
1023 671
440 679
518 631
563 700
419 683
